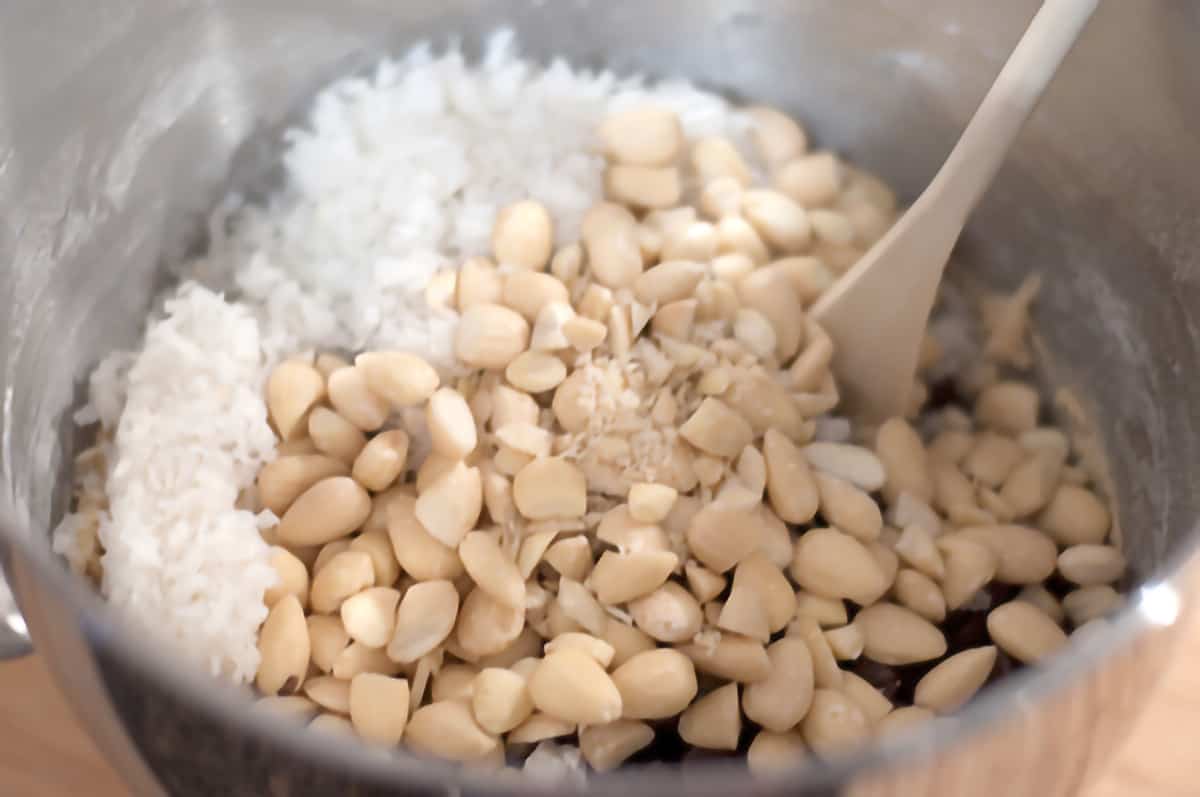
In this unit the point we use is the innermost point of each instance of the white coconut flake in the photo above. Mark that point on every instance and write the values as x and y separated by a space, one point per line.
179 557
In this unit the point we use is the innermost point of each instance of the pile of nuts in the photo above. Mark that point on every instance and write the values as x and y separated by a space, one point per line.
632 518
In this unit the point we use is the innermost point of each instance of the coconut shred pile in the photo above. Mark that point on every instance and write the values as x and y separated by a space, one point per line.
396 176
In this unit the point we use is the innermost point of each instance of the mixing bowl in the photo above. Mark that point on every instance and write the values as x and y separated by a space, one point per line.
121 122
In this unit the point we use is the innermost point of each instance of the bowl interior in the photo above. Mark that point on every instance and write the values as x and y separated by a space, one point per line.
114 149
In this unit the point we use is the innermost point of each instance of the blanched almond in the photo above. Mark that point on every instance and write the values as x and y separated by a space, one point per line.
346 574
494 572
717 429
331 694
448 730
791 487
619 529
756 572
779 138
770 292
772 752
355 401
402 379
291 578
284 648
358 658
917 549
948 686
835 565
917 591
535 371
1031 484
379 708
478 281
549 328
571 557
571 685
539 727
580 606
450 507
812 180
668 282
609 234
827 612
780 701
595 647
992 458
1024 632
605 746
550 487
1091 565
655 684
720 537
1075 516
846 642
904 459
1009 407
451 424
647 135
330 509
969 567
584 334
523 235
422 555
704 583
778 218
834 723
500 700
490 336
1089 603
895 635
650 503
370 616
454 681
716 157
669 613
1024 555
485 626
849 508
292 390
626 642
743 613
826 674
851 463
283 480
873 704
382 460
527 292
424 619
622 577
327 640
713 722
732 657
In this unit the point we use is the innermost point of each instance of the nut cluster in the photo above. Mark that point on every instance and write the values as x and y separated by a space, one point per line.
629 516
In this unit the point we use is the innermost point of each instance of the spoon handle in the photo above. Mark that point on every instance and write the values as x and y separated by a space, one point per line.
977 156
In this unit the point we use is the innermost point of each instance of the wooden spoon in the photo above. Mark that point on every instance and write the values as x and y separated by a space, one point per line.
878 310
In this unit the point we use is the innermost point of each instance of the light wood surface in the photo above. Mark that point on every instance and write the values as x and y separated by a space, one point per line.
43 752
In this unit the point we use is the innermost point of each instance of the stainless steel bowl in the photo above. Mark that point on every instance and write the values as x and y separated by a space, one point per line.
122 121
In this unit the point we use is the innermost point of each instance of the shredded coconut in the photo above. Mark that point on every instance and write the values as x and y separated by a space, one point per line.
178 556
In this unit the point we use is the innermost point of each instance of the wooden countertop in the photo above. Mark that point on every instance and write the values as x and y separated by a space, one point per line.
43 752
